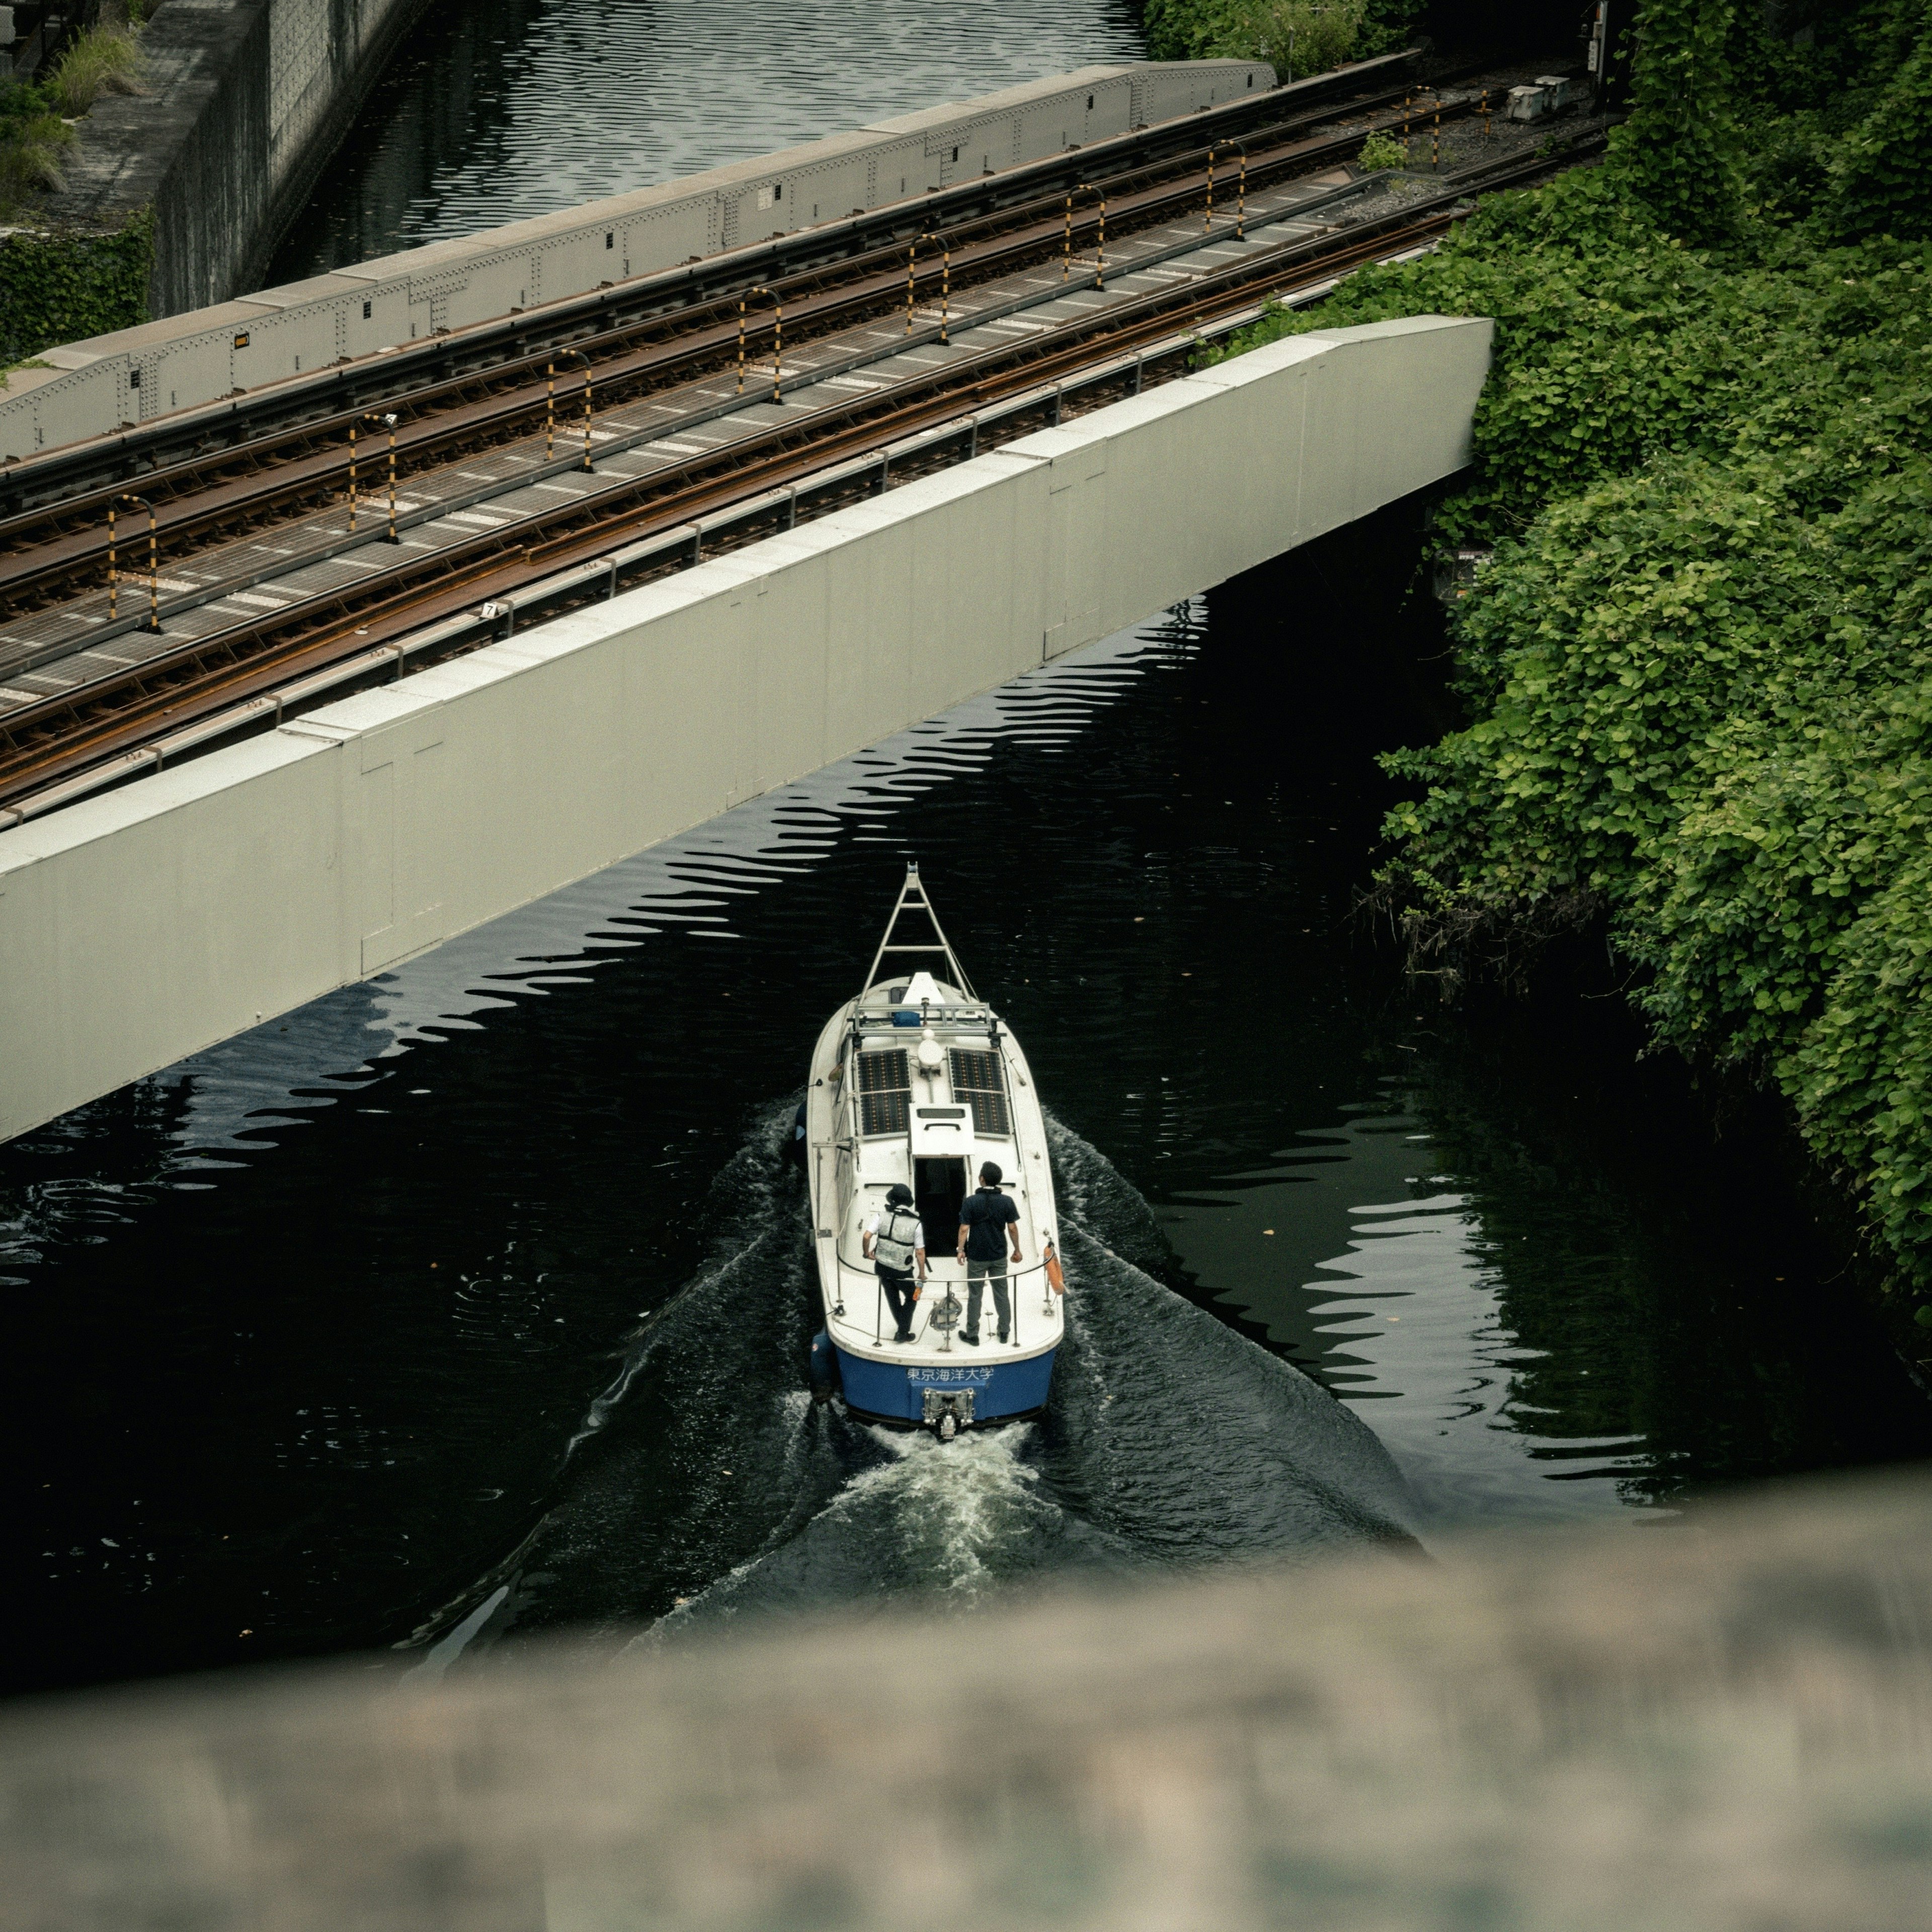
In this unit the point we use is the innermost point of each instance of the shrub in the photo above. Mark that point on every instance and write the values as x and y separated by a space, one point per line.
1878 184
1296 37
1382 151
1677 153
1697 671
30 156
104 60
1324 35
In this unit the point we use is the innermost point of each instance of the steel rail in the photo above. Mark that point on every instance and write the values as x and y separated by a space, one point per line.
40 742
18 662
138 450
300 470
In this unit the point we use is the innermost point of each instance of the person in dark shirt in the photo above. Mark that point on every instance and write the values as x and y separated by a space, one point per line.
988 1220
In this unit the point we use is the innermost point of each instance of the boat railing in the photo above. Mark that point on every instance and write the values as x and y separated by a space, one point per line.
913 898
879 1019
1013 1277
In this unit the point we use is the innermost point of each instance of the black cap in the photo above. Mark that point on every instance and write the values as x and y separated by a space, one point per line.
898 1195
990 1174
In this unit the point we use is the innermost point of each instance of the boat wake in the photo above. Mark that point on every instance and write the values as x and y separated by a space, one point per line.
704 1483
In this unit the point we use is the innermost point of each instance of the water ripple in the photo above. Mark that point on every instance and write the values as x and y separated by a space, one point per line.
500 109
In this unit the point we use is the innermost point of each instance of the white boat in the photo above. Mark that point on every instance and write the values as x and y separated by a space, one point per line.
918 1080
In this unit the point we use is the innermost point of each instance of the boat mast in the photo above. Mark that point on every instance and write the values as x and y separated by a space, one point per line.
913 898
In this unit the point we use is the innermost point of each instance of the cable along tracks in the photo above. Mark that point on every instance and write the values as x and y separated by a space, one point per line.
252 615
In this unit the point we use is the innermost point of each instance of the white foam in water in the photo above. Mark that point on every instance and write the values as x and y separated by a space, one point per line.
1170 1439
933 1518
954 1505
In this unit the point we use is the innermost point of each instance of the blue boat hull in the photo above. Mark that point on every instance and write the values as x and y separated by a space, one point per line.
896 1391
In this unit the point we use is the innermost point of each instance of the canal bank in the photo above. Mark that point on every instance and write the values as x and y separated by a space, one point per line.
242 104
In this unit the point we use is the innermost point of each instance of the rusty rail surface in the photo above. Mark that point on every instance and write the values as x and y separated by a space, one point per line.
50 740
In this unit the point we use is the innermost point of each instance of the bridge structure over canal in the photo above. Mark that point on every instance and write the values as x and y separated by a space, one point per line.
608 566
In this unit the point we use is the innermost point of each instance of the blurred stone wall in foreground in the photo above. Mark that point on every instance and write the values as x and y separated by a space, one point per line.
1721 1721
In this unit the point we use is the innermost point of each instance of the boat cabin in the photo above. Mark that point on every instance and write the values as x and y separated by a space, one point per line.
924 1082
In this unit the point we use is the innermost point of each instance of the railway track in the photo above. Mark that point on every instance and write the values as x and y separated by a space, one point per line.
47 550
476 350
46 742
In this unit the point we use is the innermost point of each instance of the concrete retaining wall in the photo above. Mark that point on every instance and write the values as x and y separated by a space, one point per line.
244 99
230 121
1723 1726
142 925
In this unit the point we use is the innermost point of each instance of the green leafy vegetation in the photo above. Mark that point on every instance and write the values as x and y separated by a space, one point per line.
1298 37
1697 670
1381 150
32 136
57 286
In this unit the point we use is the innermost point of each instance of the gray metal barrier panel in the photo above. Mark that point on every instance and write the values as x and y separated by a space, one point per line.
93 387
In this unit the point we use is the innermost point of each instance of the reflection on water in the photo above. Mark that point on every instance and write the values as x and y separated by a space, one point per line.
1397 1303
475 1300
499 109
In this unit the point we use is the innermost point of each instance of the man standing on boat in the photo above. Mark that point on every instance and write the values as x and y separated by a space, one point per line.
894 1241
987 1221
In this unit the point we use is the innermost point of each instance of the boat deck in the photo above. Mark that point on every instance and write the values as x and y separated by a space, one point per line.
926 1104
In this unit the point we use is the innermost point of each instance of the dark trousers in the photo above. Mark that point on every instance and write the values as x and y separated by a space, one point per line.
899 1293
978 1274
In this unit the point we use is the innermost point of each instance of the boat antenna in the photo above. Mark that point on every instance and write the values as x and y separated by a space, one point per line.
913 898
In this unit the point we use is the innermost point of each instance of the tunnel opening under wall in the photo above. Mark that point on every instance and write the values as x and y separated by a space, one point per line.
1338 651
1327 658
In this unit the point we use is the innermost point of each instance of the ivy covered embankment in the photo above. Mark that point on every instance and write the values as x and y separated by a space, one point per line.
1298 37
58 286
1697 671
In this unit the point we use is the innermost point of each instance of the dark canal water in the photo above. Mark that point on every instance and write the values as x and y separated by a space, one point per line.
499 109
474 1300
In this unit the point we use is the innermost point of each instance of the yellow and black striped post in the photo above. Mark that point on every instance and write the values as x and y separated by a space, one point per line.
388 421
1241 195
778 341
945 284
1066 246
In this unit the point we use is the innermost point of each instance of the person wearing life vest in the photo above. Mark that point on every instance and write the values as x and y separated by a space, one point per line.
894 1244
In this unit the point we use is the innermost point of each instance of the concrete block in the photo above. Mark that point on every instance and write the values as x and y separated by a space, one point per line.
143 925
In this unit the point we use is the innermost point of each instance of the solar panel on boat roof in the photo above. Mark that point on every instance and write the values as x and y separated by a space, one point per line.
884 1091
882 1068
976 1080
